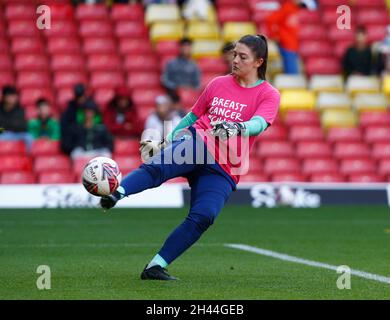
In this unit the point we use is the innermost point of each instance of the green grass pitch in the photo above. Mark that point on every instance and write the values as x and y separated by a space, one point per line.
96 255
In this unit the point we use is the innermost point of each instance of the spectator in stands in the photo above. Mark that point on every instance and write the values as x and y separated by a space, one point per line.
176 104
359 59
283 27
12 118
227 55
162 121
89 138
194 9
74 111
182 71
121 117
44 125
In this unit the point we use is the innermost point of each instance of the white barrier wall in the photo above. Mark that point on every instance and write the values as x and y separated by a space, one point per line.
74 196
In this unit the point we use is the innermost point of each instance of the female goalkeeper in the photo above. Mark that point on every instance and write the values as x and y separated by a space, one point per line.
214 140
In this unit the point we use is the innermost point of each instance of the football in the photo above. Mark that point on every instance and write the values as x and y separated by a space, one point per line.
101 176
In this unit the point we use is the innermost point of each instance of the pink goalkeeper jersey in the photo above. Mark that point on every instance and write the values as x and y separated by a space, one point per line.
225 99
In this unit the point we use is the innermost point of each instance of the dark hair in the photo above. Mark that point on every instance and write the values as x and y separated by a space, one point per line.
185 41
259 46
41 101
361 29
227 47
9 90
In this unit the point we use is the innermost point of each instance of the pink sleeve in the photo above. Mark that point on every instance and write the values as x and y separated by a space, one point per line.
201 105
269 106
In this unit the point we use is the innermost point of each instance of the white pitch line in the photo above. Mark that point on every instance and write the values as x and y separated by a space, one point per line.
285 257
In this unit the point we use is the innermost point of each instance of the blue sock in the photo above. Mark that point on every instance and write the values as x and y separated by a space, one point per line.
183 237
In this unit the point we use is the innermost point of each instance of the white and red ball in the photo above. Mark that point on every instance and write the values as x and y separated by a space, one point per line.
101 176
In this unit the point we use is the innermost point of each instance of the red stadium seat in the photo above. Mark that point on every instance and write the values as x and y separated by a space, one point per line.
62 28
33 79
136 62
276 149
306 133
103 62
62 11
315 48
56 177
112 79
130 29
357 165
313 32
6 78
288 177
4 46
144 111
126 12
216 65
30 62
143 80
51 163
5 62
310 150
22 11
309 16
22 28
45 147
29 97
17 178
8 147
146 98
78 166
340 47
91 12
63 96
322 65
167 47
372 16
233 14
14 163
376 32
125 147
254 177
95 29
67 62
141 46
377 134
317 166
348 150
226 3
275 132
336 34
177 180
373 119
103 96
384 167
365 178
67 79
63 45
188 96
344 135
366 4
281 165
99 46
327 177
26 45
294 118
381 150
128 163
